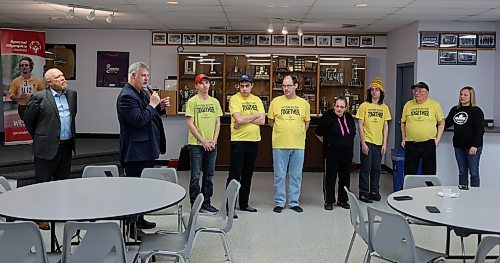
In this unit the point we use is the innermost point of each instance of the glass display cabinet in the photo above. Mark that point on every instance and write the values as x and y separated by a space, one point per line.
256 65
192 64
304 67
341 76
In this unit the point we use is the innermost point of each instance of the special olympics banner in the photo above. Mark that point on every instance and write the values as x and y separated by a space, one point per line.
22 60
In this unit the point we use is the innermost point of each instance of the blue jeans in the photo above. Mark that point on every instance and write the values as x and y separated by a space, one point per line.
293 159
201 161
468 163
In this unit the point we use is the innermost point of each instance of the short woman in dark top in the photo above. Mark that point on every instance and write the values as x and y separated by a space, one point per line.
336 130
467 120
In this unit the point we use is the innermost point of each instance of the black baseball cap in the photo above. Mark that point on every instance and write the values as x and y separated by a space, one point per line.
420 84
246 78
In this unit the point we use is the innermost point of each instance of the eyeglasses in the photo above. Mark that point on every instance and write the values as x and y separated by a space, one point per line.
288 85
420 90
339 107
24 65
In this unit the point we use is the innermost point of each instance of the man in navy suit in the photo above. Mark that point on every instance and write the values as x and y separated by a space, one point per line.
142 137
50 119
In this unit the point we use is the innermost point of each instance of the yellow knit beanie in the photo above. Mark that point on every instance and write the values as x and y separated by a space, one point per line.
377 83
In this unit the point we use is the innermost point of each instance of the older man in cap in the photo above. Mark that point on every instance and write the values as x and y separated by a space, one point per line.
247 114
422 125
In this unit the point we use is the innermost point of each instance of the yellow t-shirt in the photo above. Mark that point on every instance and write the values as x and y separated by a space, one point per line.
374 116
19 86
421 120
205 114
245 106
289 117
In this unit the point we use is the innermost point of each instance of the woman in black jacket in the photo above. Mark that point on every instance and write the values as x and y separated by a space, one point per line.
336 130
467 120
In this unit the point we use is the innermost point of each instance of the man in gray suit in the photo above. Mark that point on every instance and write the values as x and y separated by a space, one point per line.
50 119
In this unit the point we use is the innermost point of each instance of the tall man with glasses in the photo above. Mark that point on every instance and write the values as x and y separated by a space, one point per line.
422 125
289 116
247 114
25 85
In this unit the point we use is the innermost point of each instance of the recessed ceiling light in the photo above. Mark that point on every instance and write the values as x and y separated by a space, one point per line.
55 18
173 2
361 5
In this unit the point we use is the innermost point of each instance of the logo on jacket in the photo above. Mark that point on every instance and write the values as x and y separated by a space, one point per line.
461 118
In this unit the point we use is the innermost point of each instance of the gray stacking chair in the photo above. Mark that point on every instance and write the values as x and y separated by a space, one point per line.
166 174
17 240
358 223
177 245
100 171
414 181
101 242
221 223
486 245
390 238
4 185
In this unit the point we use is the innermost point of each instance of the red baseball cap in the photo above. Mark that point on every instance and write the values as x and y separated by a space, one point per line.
200 77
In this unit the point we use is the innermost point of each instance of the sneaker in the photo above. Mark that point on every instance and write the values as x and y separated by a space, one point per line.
235 216
463 187
375 196
209 209
328 206
297 209
365 198
277 209
344 205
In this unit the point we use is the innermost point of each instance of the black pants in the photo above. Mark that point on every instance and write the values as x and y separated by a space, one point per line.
369 173
334 168
20 110
416 151
58 168
241 165
134 169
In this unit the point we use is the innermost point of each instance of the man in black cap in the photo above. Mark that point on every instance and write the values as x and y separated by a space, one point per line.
422 125
247 114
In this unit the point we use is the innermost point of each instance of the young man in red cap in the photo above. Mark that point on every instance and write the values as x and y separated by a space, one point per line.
422 125
372 116
203 114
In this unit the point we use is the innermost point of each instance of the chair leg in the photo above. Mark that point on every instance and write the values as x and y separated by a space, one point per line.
226 246
350 247
367 257
463 248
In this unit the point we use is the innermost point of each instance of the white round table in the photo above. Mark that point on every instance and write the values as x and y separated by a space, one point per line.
475 209
89 199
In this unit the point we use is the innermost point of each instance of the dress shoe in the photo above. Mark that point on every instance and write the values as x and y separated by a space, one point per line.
249 209
328 206
344 205
365 198
297 209
143 224
277 209
235 216
44 225
375 196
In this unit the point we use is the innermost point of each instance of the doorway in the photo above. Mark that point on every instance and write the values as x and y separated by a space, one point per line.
404 80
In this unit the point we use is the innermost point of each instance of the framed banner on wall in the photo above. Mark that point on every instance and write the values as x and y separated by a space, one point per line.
112 68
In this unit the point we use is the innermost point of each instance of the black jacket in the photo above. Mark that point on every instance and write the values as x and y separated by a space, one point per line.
337 145
468 126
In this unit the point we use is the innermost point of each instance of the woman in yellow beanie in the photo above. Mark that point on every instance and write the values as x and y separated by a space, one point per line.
372 116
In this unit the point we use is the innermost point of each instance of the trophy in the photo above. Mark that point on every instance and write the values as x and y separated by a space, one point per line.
324 105
184 97
212 86
236 68
212 68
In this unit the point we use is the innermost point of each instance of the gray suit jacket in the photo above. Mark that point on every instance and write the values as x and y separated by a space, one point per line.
42 122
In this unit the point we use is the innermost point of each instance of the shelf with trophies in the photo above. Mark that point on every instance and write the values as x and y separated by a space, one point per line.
257 66
341 76
304 67
191 64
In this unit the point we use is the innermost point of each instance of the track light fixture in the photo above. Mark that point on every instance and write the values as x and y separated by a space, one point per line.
300 31
91 16
270 28
71 13
284 30
110 18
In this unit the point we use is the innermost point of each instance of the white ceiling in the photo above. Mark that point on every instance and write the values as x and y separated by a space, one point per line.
380 16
